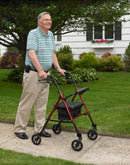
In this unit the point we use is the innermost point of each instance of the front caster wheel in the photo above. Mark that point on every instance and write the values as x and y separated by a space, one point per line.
92 134
36 139
77 145
56 128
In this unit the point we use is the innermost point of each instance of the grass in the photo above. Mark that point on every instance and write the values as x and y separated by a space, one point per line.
8 157
107 101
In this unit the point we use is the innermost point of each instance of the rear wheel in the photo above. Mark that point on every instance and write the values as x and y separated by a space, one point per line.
56 128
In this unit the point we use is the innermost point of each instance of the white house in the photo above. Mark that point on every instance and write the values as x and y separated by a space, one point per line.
117 40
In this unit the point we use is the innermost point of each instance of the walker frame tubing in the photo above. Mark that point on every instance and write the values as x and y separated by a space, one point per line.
64 101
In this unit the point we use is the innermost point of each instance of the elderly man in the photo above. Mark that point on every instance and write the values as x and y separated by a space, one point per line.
40 55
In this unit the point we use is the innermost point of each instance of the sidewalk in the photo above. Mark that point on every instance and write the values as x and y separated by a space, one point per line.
103 151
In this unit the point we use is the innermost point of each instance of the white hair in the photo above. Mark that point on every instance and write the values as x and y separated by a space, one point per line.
41 14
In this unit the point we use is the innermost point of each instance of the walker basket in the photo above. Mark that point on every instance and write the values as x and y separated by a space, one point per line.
74 108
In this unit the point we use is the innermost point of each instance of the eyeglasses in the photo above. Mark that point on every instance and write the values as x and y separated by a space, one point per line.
47 20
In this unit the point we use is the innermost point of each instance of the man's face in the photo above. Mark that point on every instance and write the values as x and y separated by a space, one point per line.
45 22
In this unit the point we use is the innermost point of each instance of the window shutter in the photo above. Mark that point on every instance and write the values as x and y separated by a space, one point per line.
89 35
118 31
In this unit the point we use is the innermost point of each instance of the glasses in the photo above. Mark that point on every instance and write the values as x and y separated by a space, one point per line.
47 20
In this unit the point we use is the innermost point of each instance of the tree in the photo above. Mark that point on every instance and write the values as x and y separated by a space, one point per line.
19 17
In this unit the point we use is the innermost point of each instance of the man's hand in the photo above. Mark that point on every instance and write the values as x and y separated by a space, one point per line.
61 71
43 75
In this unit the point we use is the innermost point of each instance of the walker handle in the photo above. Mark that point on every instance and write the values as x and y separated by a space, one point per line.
69 75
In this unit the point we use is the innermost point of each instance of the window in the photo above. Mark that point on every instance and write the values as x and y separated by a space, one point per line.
104 32
59 38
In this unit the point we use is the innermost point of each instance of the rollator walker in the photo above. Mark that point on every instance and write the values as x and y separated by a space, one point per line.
67 112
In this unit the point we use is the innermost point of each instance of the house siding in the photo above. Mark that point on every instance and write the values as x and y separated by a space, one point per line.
77 42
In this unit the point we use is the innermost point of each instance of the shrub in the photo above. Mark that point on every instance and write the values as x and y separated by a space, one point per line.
112 63
75 64
82 54
89 61
85 74
9 60
79 75
16 75
127 58
66 49
65 60
65 57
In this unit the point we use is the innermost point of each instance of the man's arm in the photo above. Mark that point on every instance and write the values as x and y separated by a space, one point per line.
35 62
56 65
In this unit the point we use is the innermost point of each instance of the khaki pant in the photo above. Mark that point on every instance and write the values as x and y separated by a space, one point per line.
35 93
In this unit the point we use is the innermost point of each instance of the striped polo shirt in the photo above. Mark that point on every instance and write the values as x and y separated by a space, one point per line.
44 47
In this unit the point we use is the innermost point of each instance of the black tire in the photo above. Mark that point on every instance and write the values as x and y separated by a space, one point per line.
77 145
56 128
92 134
36 139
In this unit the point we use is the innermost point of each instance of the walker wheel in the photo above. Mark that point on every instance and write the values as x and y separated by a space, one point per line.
56 128
92 134
77 145
36 139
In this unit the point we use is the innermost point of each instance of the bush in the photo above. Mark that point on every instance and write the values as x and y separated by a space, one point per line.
16 75
85 74
9 60
75 64
65 60
111 63
89 61
79 75
127 58
66 49
82 54
65 57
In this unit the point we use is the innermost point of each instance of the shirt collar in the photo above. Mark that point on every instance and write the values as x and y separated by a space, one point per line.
42 32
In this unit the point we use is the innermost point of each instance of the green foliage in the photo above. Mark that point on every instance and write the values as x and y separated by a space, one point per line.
65 60
75 64
9 60
85 74
65 57
112 63
16 75
82 54
79 75
88 60
127 58
65 49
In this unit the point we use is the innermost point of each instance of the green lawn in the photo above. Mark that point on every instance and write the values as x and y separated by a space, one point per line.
108 101
13 158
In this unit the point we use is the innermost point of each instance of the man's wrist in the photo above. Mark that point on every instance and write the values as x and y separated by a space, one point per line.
57 67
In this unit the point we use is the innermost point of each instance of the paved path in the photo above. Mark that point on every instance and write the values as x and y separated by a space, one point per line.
103 151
